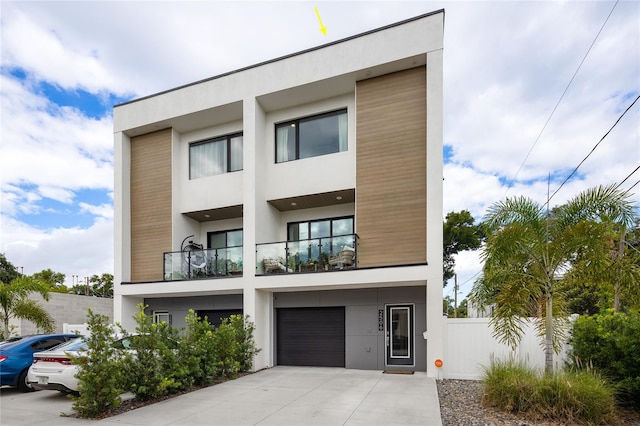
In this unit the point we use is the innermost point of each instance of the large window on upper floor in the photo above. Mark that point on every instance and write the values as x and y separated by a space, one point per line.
311 136
309 240
224 239
225 248
322 228
215 156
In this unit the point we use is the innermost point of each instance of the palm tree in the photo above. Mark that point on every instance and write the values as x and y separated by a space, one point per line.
618 214
528 252
15 303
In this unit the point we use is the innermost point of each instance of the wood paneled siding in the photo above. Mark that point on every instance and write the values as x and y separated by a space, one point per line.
391 206
150 204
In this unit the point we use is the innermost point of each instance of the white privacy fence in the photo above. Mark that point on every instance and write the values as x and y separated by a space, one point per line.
82 329
469 345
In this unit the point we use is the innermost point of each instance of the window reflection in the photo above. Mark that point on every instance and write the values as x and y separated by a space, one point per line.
311 136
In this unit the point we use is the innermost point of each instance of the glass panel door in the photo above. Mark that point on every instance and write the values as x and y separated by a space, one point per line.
400 335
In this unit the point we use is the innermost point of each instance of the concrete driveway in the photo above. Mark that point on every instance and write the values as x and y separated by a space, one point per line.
277 396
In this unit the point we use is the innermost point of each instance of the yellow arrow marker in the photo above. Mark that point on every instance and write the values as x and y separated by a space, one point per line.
322 27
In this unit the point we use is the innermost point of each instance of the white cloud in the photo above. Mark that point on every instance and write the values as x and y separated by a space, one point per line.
49 56
468 269
56 150
507 67
103 210
71 251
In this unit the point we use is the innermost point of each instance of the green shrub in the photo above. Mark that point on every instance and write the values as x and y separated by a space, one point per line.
509 386
225 351
610 343
100 371
162 359
150 370
576 396
246 349
572 397
196 352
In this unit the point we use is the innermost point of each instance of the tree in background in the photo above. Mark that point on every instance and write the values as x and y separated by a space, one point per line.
98 286
459 234
55 280
8 272
15 301
450 311
529 252
614 285
102 286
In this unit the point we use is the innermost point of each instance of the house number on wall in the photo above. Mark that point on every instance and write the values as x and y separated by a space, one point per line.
380 320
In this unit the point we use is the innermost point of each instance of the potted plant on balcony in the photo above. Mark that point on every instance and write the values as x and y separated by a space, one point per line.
325 260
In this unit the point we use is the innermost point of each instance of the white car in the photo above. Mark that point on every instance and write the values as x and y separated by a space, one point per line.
54 370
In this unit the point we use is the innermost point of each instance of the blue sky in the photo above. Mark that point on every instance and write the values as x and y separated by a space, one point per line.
65 64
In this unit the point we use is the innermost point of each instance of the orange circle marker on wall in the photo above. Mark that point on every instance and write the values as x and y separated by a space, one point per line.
438 363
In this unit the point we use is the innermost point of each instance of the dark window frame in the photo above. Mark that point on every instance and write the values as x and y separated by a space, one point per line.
226 138
296 124
156 315
226 231
330 219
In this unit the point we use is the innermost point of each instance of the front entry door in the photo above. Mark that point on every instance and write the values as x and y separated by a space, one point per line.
400 335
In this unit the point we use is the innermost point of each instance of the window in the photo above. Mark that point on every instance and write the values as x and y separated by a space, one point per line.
311 136
224 239
226 247
48 343
161 316
322 228
309 239
215 156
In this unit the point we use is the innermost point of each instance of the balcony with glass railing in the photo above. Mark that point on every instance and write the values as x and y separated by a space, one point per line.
312 255
204 263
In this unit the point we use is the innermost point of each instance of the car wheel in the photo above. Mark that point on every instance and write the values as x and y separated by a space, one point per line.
23 385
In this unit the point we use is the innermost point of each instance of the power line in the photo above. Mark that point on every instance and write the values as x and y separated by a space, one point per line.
560 100
628 176
593 149
633 186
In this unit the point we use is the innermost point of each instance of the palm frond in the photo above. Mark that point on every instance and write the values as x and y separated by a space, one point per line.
602 203
33 311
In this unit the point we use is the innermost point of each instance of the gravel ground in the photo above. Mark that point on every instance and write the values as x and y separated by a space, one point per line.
460 406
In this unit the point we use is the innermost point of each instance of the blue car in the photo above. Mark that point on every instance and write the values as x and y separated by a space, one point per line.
16 356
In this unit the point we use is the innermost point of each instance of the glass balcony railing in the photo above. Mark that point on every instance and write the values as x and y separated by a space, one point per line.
312 255
206 263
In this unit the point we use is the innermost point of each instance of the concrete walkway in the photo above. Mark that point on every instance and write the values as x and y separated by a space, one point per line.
293 396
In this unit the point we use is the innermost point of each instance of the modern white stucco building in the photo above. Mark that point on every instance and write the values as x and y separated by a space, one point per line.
310 187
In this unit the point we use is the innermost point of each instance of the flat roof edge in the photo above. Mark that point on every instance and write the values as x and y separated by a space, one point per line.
290 55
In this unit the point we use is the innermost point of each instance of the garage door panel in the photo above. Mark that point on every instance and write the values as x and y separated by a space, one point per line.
311 336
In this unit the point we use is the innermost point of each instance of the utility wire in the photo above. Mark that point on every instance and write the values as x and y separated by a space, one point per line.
560 100
628 176
469 279
593 149
632 186
450 292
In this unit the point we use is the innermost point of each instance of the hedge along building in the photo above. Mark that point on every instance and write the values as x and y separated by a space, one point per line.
305 192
